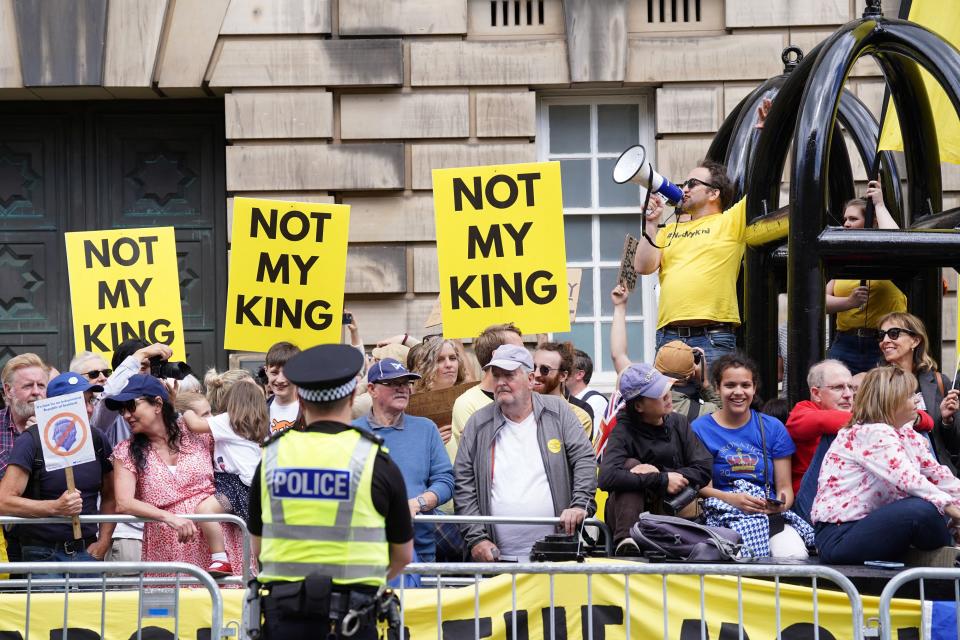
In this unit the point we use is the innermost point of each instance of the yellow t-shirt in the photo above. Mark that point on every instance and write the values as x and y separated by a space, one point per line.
884 297
698 271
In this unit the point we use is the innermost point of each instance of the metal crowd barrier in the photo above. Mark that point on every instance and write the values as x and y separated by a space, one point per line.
478 570
910 575
97 519
589 522
52 586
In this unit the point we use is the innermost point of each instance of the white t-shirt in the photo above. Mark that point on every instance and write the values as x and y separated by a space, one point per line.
520 488
283 415
597 402
231 453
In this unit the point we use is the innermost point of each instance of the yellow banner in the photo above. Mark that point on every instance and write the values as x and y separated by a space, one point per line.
500 248
931 14
124 284
288 268
571 615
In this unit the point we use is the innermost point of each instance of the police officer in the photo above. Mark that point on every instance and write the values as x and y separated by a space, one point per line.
328 509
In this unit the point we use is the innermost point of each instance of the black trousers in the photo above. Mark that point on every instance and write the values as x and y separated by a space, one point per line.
276 626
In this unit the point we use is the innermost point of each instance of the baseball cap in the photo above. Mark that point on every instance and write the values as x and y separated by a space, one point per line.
69 382
643 380
510 356
138 386
397 352
675 359
389 369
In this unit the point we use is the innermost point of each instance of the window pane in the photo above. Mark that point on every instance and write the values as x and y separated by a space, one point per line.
581 335
575 177
576 233
585 301
634 344
613 232
608 280
612 194
618 127
570 129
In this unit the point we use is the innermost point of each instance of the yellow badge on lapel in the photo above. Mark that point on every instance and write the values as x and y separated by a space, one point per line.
554 445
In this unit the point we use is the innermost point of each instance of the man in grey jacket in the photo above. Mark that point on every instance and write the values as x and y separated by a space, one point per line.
498 471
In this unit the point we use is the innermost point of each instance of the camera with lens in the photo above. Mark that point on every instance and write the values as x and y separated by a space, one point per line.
675 504
160 368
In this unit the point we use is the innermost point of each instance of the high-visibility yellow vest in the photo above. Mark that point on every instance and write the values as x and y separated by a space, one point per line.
318 513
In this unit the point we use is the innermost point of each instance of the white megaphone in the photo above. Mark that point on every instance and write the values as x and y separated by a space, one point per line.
632 166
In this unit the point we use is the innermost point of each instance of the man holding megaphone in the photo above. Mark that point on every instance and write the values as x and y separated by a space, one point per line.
699 259
698 255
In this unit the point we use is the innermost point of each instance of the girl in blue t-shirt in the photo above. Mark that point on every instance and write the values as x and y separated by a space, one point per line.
751 489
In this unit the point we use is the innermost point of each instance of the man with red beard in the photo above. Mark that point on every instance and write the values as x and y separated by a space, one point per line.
552 365
24 382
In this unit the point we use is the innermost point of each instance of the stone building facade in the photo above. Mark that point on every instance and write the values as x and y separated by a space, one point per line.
355 102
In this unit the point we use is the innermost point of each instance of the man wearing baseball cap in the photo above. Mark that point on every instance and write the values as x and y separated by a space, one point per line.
29 490
651 456
686 365
414 443
525 454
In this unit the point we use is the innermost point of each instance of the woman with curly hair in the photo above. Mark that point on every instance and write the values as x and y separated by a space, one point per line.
164 471
441 364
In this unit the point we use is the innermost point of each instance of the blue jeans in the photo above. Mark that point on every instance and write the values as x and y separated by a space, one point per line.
714 345
808 484
885 534
859 354
31 553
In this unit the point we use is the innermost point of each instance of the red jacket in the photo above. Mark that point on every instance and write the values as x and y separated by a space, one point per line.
807 422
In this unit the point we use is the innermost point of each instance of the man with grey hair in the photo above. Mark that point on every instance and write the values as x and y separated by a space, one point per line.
828 409
497 472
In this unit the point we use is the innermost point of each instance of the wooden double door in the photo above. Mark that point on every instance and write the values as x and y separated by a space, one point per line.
75 166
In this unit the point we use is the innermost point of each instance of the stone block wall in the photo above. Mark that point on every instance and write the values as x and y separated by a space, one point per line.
356 101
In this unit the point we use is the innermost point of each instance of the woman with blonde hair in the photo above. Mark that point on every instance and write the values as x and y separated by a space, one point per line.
904 344
441 364
881 492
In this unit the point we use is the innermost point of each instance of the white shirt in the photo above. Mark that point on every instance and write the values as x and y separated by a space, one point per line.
520 488
231 453
597 402
283 415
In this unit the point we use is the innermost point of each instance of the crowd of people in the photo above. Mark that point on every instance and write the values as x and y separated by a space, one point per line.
526 435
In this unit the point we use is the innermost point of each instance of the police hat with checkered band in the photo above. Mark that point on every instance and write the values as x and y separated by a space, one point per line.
325 373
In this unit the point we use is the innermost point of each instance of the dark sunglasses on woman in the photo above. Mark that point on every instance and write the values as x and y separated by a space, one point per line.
96 373
894 333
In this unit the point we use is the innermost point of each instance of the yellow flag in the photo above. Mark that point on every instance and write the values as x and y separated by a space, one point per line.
945 22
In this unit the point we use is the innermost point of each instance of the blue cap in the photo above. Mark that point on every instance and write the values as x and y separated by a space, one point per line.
510 356
138 386
643 380
69 382
389 369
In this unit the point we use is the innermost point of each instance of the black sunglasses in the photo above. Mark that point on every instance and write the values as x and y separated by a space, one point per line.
545 370
894 333
96 373
692 182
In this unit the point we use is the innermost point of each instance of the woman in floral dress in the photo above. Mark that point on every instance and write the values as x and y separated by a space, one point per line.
881 492
163 470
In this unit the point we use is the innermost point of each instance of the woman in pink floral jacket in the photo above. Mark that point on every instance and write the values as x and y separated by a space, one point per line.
881 491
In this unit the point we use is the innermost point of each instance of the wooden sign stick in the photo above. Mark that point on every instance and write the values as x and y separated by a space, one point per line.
72 486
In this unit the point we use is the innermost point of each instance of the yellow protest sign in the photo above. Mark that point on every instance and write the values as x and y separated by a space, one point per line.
124 284
500 248
287 273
